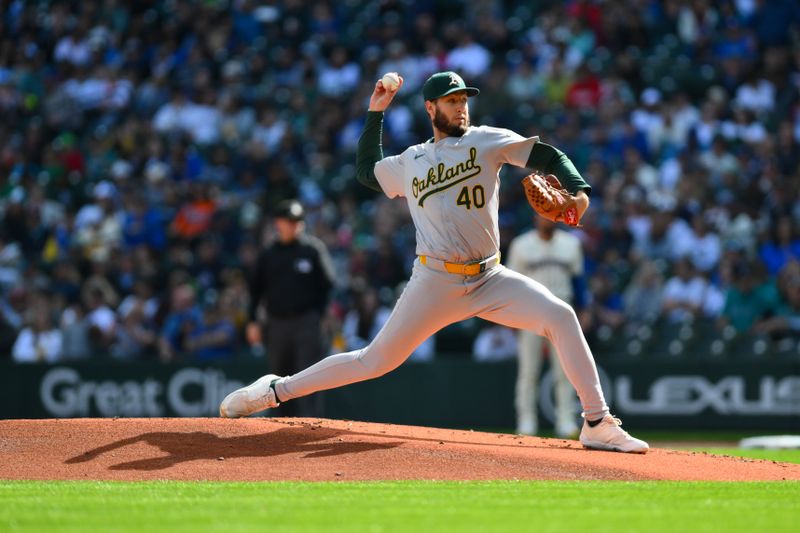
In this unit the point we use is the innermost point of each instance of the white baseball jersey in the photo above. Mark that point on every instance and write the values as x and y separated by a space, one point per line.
452 189
552 263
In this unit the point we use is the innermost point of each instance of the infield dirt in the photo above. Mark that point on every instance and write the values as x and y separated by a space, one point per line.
289 449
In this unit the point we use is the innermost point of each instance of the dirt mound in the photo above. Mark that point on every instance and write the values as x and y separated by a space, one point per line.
261 449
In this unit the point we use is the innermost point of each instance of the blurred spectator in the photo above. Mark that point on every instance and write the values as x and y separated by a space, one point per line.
10 262
208 264
66 281
234 298
557 82
662 235
640 172
648 118
41 340
617 239
184 316
584 90
495 343
98 226
13 306
214 338
719 161
141 224
385 266
643 296
749 299
785 323
680 118
236 120
338 75
268 133
524 83
101 320
74 47
605 306
136 334
398 59
468 57
194 217
787 148
74 329
782 246
744 127
200 120
684 293
363 322
704 245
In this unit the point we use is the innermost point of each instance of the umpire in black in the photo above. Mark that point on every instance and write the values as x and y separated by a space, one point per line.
292 278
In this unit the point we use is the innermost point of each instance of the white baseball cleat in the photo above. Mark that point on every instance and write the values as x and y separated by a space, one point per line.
253 398
609 435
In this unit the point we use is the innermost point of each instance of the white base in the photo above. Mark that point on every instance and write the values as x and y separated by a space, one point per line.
771 442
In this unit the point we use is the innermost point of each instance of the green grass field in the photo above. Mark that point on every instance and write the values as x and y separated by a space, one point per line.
540 506
399 506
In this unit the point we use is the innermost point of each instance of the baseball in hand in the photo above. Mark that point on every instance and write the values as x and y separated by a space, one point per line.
390 81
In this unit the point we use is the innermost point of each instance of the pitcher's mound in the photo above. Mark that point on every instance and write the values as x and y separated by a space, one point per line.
296 449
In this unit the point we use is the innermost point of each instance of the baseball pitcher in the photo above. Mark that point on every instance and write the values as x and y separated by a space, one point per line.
451 185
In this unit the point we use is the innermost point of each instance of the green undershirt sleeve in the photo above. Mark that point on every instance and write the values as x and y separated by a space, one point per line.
369 150
550 160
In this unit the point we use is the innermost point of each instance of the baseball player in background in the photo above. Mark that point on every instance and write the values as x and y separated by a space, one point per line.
553 257
451 185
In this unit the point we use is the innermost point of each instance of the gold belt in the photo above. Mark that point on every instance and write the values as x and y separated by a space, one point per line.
470 268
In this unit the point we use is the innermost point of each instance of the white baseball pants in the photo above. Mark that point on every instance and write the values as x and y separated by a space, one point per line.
432 300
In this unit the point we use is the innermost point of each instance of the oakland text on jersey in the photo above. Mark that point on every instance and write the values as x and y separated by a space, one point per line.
441 174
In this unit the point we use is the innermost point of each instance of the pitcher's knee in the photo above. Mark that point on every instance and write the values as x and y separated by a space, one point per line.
376 365
561 315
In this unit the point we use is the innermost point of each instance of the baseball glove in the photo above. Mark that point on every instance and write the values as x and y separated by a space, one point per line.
550 199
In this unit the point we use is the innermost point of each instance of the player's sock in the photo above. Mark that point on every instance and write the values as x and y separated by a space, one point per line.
274 390
593 423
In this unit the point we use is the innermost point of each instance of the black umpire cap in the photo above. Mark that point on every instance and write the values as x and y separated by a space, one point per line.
290 210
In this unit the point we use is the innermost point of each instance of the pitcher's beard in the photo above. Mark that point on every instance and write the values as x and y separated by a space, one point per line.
452 130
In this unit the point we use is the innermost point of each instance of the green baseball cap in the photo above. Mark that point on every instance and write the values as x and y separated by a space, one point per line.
444 83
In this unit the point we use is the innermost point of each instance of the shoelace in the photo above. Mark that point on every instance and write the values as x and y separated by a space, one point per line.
614 420
617 422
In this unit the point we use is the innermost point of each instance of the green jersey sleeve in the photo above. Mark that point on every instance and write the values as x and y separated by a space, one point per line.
550 160
370 150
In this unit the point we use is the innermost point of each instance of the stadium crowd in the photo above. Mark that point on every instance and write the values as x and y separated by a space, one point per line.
144 146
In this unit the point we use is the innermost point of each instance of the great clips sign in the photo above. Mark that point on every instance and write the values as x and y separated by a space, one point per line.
187 392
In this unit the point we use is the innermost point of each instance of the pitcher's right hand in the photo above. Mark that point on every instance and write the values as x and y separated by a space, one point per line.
382 97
